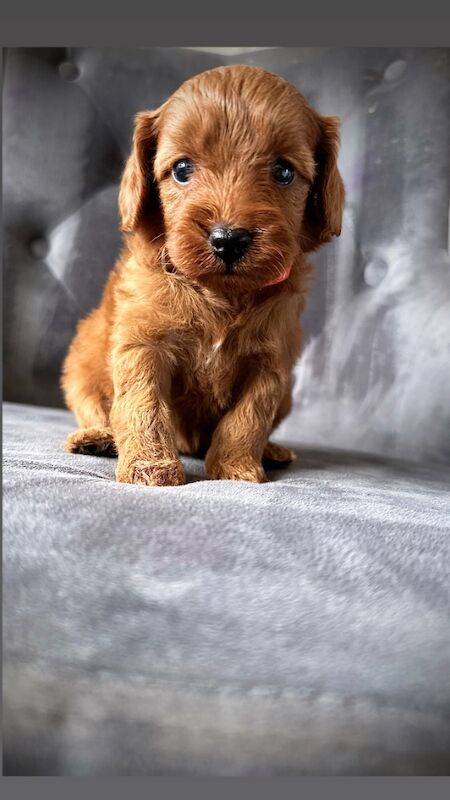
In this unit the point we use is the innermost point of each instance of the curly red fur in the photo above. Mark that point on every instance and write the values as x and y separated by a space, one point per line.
181 355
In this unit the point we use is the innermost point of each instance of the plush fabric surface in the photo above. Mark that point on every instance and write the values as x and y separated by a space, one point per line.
298 627
377 324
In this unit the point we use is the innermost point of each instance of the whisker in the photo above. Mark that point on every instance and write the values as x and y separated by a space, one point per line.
157 237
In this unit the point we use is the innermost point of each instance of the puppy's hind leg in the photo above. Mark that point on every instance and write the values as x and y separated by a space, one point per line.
91 442
95 436
86 390
277 454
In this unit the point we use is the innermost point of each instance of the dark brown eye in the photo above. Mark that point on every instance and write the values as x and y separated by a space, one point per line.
183 170
283 172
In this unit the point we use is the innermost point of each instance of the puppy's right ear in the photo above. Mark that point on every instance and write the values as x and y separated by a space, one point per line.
138 192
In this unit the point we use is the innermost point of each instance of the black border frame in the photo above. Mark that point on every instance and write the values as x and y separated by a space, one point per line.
346 23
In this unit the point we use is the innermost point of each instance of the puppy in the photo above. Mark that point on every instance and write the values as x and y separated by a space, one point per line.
229 185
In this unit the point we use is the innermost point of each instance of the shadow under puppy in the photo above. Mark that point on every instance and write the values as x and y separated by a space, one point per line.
230 184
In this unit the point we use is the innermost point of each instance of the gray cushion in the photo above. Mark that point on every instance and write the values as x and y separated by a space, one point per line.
297 627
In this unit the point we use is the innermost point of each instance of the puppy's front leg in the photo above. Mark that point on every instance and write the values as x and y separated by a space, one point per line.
239 440
141 419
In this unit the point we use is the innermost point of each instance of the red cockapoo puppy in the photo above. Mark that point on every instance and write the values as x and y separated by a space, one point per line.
229 186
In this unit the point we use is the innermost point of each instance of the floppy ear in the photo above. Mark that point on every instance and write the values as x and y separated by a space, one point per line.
138 192
325 204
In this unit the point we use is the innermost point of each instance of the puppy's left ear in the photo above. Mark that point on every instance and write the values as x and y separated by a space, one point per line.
325 204
138 192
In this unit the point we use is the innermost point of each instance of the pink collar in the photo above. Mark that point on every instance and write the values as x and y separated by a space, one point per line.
280 278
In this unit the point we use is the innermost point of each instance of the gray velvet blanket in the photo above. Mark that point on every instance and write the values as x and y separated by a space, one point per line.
297 627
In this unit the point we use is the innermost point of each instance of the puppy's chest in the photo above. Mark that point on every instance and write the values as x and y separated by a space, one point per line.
216 358
213 355
215 366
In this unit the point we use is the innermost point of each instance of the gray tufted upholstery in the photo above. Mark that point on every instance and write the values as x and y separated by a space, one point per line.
298 627
374 375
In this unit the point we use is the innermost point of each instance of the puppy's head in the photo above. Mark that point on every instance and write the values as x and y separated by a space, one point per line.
236 175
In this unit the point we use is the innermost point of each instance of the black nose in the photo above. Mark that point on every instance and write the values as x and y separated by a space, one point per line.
229 244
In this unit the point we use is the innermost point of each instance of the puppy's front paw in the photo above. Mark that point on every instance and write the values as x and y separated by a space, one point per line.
151 473
240 470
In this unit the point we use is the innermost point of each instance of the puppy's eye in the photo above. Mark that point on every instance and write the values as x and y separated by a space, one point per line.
282 172
183 170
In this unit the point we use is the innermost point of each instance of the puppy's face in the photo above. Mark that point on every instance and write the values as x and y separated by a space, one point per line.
239 176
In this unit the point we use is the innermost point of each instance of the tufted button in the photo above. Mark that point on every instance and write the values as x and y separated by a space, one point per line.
394 71
374 271
68 71
39 247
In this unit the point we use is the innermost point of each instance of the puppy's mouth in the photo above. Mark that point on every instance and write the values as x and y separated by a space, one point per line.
232 269
252 267
229 268
257 257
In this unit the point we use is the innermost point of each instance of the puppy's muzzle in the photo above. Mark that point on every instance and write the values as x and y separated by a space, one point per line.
229 244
